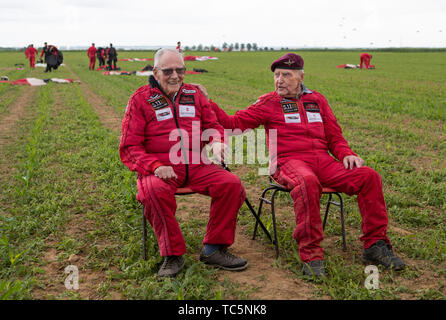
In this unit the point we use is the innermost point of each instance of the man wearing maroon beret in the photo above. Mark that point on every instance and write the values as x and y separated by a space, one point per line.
307 131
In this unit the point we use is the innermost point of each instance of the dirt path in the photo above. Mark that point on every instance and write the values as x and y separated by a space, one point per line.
77 228
8 124
269 281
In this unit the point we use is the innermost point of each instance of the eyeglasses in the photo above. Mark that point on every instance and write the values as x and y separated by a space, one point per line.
168 72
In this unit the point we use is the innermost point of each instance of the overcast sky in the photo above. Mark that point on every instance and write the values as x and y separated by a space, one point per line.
287 23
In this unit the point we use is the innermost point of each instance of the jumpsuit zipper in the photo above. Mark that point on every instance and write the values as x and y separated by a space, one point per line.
181 135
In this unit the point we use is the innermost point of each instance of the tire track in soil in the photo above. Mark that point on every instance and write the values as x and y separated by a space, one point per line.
77 228
268 281
8 123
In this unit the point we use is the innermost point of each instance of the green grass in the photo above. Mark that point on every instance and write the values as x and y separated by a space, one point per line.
68 191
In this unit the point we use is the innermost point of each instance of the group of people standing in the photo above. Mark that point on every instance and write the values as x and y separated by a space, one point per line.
110 54
53 57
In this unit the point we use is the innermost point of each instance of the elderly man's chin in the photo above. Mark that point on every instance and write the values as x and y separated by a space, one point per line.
282 92
173 88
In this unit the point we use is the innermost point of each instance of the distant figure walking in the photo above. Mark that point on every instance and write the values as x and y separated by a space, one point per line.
179 47
30 53
365 60
91 53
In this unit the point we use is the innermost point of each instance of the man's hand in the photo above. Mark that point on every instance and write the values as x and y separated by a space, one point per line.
220 151
351 161
165 172
202 89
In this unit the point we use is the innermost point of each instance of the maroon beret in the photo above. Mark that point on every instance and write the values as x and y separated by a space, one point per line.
289 61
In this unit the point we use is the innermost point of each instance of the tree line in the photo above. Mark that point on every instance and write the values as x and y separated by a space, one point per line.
230 47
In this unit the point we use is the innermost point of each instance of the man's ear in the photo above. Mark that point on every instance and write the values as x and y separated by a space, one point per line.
155 73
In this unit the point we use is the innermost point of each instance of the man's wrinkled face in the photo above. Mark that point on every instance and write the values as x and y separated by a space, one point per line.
287 82
169 72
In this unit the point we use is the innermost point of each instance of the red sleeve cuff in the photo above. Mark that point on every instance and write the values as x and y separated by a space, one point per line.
155 165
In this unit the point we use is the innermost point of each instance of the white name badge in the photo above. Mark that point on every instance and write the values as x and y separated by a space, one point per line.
187 111
314 117
163 114
292 118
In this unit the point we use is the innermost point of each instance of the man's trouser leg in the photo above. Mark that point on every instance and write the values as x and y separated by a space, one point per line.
227 194
92 63
306 192
158 198
361 62
366 183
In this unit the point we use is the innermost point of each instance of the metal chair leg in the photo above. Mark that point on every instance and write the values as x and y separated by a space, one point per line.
273 215
259 212
326 211
144 235
341 206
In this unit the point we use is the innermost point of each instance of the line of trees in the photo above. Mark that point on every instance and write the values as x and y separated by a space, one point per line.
231 47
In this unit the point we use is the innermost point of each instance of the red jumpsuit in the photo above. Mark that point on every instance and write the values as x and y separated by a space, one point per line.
145 145
365 60
306 131
30 53
91 52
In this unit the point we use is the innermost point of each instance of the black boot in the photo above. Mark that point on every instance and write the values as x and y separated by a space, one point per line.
381 253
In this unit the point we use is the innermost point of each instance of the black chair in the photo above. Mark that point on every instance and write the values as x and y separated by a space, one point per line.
275 187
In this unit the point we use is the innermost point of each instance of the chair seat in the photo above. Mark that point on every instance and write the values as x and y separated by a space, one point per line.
185 190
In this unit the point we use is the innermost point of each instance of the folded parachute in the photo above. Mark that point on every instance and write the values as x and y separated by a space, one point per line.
199 58
40 82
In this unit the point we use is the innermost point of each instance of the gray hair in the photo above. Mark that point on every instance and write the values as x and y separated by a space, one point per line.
161 52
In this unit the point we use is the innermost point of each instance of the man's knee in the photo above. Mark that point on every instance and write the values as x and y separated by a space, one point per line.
150 187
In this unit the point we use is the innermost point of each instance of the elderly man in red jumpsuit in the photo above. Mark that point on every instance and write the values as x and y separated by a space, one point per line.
307 131
157 115
365 60
91 53
30 54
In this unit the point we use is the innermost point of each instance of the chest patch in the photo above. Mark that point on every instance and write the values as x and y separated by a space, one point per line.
187 99
313 112
163 114
158 102
290 111
187 110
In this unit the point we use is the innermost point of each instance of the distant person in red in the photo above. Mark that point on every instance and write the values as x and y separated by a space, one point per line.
91 52
30 54
365 59
179 47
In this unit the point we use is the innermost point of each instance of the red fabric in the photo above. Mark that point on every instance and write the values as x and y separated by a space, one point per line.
138 151
20 82
304 165
291 137
190 58
145 145
365 60
157 196
192 72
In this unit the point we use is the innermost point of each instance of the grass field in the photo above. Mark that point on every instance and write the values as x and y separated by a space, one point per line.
66 198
